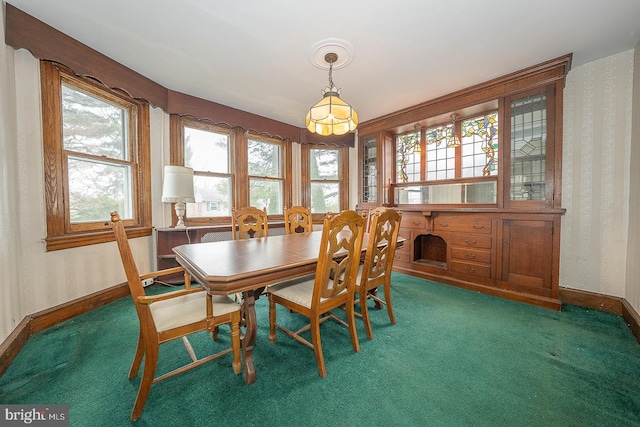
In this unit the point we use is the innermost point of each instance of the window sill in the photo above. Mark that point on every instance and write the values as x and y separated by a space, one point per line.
91 238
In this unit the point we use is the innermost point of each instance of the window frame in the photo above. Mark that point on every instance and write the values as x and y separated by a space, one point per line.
283 170
239 164
61 233
343 176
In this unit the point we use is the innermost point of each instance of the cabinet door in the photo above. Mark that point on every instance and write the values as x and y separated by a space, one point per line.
527 255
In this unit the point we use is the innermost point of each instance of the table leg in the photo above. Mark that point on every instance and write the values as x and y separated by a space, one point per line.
249 339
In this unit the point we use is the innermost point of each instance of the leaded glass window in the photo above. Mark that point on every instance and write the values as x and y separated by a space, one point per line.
408 157
441 159
480 146
528 147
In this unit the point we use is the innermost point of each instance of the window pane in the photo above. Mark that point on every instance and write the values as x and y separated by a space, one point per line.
266 194
93 126
325 197
264 159
480 146
528 147
324 164
97 188
206 151
408 157
440 158
213 197
369 171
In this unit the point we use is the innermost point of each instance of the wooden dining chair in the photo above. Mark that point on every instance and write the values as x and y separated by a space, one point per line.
171 315
249 222
332 285
368 214
384 226
297 219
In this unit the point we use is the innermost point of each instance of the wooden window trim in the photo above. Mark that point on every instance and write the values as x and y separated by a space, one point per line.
285 161
239 164
343 176
61 234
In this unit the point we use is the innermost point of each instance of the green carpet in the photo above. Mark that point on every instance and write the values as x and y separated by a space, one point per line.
455 358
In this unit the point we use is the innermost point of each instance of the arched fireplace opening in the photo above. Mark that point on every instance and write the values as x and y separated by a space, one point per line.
430 250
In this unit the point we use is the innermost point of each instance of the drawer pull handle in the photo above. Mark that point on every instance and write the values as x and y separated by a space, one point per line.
470 242
470 256
444 225
478 227
470 270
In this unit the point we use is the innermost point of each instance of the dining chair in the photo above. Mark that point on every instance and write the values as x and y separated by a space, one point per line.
171 315
332 285
368 214
297 219
384 226
249 222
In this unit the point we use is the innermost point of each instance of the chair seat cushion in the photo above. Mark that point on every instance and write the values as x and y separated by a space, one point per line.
299 291
187 309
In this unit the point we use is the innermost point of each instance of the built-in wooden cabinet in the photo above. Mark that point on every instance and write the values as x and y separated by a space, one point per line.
496 232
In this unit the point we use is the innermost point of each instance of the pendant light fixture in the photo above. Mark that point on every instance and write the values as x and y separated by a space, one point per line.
454 141
331 115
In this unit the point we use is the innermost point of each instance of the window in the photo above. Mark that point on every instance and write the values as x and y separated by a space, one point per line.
232 169
476 157
266 175
96 144
326 178
207 150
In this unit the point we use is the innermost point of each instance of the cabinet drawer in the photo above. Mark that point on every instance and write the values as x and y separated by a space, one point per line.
470 241
413 221
482 270
475 255
464 224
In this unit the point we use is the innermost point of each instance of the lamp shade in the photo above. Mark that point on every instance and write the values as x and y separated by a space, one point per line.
331 116
178 185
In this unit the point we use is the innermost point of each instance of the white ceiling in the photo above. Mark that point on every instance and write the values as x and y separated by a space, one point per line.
254 54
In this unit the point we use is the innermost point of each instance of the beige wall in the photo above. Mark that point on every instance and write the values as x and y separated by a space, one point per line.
596 175
596 248
632 289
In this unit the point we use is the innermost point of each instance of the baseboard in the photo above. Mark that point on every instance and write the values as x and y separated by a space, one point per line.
44 319
595 301
606 303
632 318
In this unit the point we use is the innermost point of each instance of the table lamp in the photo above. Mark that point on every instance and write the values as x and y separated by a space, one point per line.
178 188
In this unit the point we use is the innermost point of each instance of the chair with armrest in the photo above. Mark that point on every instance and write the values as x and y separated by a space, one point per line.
249 222
297 219
169 316
332 285
384 226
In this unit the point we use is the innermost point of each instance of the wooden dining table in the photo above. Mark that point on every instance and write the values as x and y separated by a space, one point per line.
248 266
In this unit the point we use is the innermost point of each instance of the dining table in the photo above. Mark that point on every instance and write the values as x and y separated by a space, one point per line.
248 266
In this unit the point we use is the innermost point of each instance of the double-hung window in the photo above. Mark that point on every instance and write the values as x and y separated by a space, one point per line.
326 177
96 146
266 175
208 151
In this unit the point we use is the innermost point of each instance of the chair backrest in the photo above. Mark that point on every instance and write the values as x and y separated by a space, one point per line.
368 214
249 222
383 237
341 233
297 219
129 264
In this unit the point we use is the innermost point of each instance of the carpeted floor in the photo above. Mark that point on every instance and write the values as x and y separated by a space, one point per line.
455 358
